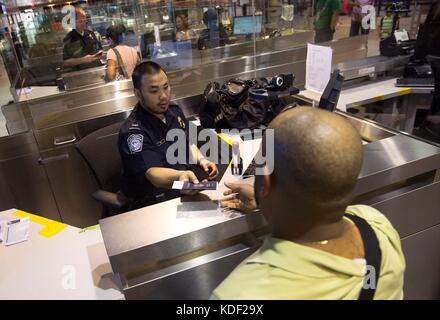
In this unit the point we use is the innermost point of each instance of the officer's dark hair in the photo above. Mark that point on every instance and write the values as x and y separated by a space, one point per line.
144 68
116 33
209 15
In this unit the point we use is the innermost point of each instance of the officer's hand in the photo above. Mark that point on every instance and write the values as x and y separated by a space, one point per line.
210 168
90 58
188 175
241 196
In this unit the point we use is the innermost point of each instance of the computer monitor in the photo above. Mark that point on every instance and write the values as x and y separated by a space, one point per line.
247 25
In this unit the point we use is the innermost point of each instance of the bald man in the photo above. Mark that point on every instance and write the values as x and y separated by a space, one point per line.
316 248
81 48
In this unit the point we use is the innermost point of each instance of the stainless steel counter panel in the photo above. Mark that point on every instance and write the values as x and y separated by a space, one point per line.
166 237
379 64
201 274
24 181
370 131
423 202
422 275
84 78
395 159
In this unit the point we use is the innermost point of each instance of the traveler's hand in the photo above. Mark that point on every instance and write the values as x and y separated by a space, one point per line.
188 175
241 196
210 168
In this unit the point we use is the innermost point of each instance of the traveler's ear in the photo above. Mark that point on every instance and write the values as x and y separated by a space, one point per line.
266 186
262 186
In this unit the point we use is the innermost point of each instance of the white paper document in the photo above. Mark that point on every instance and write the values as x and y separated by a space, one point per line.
318 67
17 231
401 35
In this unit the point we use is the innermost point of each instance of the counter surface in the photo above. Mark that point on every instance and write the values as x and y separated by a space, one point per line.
56 262
368 93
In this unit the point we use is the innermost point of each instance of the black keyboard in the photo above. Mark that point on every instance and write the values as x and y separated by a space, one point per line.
415 82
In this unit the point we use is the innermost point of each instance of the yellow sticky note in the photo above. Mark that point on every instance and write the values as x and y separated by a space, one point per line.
51 227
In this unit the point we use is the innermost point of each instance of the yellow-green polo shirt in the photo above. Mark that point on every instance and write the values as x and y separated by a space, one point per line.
283 269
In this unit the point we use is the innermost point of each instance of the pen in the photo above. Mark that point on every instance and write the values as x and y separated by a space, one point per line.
13 221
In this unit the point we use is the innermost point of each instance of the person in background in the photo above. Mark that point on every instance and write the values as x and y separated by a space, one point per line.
388 24
319 245
81 48
18 48
357 16
183 32
434 13
215 35
326 19
120 57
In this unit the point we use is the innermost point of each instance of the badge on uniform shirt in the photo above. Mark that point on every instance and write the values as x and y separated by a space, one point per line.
135 142
181 122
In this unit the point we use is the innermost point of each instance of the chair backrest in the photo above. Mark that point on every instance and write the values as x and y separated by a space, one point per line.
100 150
435 66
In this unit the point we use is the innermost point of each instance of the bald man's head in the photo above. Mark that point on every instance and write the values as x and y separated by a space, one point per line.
317 159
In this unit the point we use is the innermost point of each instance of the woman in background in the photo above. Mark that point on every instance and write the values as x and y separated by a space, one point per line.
183 31
121 59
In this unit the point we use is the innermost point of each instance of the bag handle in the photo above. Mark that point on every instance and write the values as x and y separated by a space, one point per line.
373 255
120 63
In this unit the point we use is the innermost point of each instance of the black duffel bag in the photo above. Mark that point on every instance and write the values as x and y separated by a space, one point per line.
229 106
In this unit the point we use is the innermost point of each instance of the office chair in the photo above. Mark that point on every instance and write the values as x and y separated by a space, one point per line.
435 66
100 151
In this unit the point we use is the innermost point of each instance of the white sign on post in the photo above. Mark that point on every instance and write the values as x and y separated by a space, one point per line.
157 35
318 67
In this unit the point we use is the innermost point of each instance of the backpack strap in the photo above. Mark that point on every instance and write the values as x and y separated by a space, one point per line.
373 255
120 63
139 58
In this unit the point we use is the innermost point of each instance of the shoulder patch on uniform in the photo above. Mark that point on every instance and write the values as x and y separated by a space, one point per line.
181 122
135 142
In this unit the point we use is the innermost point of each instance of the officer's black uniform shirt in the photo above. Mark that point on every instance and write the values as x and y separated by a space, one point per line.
142 145
76 45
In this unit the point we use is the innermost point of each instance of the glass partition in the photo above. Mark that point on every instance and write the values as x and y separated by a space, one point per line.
177 34
196 41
